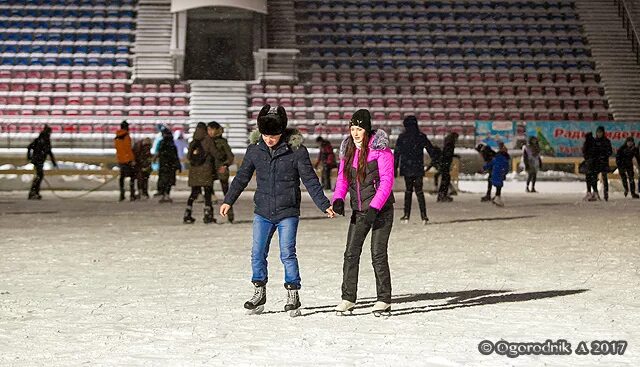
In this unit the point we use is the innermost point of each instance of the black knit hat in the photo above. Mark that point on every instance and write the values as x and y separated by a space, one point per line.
361 118
272 120
124 125
600 128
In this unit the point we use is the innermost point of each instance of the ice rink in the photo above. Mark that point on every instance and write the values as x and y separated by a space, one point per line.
91 281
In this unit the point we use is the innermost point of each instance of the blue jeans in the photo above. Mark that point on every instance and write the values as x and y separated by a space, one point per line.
263 230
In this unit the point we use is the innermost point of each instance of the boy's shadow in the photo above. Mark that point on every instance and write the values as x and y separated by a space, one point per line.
470 298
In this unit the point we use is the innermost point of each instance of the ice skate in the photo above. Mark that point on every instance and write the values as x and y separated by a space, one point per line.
404 219
587 197
528 189
208 216
255 305
425 220
485 199
634 195
498 201
293 303
344 308
381 309
188 219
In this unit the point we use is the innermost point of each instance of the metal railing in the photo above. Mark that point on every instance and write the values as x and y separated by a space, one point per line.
630 26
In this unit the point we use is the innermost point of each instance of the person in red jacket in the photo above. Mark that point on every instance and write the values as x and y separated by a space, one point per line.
327 160
126 159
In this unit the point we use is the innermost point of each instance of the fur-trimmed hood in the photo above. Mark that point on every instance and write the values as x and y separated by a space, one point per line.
379 141
293 137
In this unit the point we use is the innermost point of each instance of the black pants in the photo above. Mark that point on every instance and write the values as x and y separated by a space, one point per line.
592 181
126 170
37 179
165 181
195 191
532 176
627 176
489 186
498 190
358 231
143 184
443 190
605 182
414 184
326 177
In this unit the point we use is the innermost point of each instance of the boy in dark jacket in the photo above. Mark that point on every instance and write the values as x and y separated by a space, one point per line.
409 161
37 153
202 160
624 161
487 155
280 161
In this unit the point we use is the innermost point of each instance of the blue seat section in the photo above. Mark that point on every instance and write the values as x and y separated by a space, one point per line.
482 34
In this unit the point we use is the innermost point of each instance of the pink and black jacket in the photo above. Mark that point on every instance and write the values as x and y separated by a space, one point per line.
376 191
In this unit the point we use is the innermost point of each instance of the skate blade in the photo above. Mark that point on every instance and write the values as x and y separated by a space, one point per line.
295 313
385 313
256 311
345 313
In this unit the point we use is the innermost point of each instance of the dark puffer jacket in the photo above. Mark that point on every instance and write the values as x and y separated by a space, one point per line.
602 150
278 176
409 152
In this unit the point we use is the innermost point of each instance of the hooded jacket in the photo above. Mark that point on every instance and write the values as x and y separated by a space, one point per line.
499 167
625 155
409 152
39 149
278 175
376 190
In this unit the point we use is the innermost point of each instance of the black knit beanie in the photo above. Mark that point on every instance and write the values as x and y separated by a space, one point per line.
361 118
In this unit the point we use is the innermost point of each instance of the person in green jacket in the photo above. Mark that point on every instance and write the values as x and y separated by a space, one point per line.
224 158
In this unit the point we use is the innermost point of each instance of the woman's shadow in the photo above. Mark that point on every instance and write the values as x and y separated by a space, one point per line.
470 298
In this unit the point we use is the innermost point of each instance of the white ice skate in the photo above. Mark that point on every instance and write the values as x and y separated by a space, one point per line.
381 309
344 308
293 303
498 201
255 305
587 197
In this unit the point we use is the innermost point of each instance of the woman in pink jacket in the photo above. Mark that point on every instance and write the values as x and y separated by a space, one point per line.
366 172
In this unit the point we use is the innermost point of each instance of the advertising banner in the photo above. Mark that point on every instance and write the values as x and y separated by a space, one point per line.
490 132
565 138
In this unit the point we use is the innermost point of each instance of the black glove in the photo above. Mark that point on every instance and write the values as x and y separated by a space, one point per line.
370 216
338 206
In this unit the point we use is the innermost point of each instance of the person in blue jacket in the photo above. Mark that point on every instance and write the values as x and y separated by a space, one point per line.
280 161
499 167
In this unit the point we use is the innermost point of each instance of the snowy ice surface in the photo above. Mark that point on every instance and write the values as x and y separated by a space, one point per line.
95 282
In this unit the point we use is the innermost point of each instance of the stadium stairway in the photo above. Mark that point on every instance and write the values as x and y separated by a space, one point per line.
153 41
615 61
224 101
